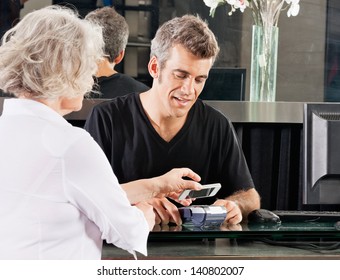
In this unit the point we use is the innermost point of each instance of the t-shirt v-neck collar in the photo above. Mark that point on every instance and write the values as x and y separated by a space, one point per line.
176 138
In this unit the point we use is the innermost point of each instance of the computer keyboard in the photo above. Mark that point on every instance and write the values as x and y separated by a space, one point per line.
308 216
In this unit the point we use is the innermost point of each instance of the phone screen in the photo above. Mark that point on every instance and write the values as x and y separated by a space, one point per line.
200 193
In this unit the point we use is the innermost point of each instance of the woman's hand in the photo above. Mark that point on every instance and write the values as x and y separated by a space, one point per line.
172 183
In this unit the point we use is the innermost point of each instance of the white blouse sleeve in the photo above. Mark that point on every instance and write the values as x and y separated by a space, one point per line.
91 185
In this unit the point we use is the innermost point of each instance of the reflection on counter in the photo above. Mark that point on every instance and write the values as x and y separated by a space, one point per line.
255 228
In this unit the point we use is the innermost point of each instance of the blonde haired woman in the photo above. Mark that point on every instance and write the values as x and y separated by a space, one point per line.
58 195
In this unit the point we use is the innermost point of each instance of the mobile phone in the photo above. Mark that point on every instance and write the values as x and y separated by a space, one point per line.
206 191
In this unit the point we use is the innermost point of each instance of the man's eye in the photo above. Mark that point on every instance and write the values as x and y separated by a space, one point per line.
200 81
180 76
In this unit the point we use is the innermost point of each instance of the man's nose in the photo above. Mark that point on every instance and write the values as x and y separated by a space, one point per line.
188 86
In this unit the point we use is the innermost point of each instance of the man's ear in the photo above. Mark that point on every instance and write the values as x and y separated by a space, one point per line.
119 58
153 67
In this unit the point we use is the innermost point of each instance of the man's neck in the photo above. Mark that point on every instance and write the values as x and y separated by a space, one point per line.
166 126
105 69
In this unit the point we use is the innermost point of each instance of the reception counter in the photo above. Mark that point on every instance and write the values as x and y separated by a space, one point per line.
236 111
223 249
284 241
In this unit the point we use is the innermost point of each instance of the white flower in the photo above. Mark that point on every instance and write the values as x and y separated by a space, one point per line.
265 12
294 7
234 5
238 4
213 4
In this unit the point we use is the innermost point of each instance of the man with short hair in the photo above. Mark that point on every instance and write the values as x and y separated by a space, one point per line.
145 135
116 33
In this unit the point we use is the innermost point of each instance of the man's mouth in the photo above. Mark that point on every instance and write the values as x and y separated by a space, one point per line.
182 101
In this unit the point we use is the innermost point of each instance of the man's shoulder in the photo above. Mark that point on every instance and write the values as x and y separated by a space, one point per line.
117 103
207 111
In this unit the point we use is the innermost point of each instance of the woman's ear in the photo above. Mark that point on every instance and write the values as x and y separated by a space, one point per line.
153 67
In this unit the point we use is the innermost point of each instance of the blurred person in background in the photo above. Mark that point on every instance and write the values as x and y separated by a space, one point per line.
116 34
83 7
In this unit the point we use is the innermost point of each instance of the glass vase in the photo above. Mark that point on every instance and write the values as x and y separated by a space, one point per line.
264 63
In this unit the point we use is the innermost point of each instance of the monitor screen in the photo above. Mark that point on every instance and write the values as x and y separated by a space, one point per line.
225 84
321 174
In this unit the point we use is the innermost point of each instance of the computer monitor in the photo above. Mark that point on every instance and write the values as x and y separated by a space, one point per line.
225 84
321 173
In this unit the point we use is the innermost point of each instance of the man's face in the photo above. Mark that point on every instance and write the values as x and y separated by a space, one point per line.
181 81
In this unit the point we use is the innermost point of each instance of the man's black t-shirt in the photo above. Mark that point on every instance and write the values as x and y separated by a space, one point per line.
207 143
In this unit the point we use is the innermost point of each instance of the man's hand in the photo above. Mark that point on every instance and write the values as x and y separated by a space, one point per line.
240 204
165 211
234 214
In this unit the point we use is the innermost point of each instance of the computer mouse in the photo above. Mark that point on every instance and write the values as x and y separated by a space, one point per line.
263 216
337 225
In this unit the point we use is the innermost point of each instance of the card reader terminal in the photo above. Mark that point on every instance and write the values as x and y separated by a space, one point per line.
203 215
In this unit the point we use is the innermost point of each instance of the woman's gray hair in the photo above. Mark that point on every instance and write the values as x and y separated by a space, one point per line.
189 31
50 53
115 30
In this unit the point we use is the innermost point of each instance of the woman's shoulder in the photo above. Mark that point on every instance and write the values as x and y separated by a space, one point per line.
58 138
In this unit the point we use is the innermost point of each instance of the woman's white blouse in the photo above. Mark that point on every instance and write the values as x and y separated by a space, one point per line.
58 195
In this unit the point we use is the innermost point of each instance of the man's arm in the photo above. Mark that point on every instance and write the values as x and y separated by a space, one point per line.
240 204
